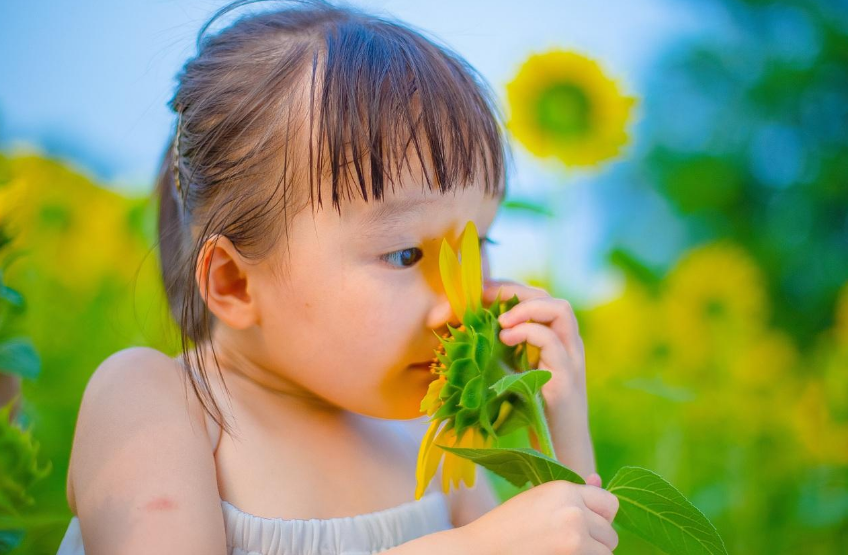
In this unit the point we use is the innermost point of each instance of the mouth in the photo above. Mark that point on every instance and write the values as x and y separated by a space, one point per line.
421 365
424 365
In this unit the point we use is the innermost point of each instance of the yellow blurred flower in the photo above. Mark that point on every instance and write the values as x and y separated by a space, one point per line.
69 226
823 438
618 341
562 104
714 299
761 384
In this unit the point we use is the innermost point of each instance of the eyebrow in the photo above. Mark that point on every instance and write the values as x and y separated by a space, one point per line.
390 214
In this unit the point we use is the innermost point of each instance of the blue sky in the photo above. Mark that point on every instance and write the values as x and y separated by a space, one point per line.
89 81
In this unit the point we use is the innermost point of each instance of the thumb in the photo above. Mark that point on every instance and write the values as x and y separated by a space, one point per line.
594 479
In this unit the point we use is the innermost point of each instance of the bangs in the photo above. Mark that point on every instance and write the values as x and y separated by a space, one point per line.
382 93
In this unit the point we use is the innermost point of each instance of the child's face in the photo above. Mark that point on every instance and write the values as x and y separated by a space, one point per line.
350 316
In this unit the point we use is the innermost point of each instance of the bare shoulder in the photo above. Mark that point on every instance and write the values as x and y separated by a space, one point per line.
466 504
142 474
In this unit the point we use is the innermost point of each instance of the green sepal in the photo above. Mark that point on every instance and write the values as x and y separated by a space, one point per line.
484 415
447 390
517 419
449 407
457 334
461 371
482 351
463 419
457 349
472 394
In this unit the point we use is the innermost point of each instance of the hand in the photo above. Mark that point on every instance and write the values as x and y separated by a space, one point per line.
554 518
549 324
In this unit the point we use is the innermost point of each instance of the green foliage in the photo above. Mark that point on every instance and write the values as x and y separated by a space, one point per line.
19 467
518 465
649 506
655 510
85 264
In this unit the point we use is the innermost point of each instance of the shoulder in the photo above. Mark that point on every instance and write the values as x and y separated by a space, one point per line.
141 464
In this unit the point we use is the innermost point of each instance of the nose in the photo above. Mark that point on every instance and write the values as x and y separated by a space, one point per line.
442 314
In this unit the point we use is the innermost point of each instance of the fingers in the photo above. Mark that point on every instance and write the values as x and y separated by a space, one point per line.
595 547
537 305
509 288
554 353
600 501
548 310
594 479
601 530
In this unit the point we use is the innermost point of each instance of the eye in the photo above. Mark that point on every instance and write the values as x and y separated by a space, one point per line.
404 257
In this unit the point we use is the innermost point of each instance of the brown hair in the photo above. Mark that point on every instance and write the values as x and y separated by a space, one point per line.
349 93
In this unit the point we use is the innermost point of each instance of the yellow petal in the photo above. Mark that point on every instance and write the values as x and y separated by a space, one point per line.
472 273
424 459
533 355
449 466
503 412
451 279
473 440
431 402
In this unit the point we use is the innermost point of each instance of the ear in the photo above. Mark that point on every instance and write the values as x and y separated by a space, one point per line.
228 294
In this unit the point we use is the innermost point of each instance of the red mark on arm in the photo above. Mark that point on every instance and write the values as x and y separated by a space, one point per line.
162 503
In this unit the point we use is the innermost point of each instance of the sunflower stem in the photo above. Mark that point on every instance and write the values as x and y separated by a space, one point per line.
541 426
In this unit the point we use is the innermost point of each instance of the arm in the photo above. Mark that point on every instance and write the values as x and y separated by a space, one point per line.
454 541
142 475
467 505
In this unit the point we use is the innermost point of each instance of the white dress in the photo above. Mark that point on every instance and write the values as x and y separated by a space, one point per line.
248 534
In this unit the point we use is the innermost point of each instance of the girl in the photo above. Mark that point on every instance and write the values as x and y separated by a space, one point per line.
319 322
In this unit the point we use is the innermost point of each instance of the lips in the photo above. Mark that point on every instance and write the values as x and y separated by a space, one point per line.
421 365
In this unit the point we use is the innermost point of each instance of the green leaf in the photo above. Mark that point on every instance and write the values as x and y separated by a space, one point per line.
527 383
19 467
655 510
18 356
523 205
11 296
518 465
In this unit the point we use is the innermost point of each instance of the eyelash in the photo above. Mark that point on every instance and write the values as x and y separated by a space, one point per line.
387 257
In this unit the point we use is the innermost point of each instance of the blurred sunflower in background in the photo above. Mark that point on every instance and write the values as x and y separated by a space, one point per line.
562 104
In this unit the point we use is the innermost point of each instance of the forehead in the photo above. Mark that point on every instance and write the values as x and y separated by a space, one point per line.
415 206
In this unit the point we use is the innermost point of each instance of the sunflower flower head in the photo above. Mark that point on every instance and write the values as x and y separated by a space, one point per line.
464 411
562 104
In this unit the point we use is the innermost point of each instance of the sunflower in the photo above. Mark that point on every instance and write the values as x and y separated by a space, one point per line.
715 300
459 402
562 104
